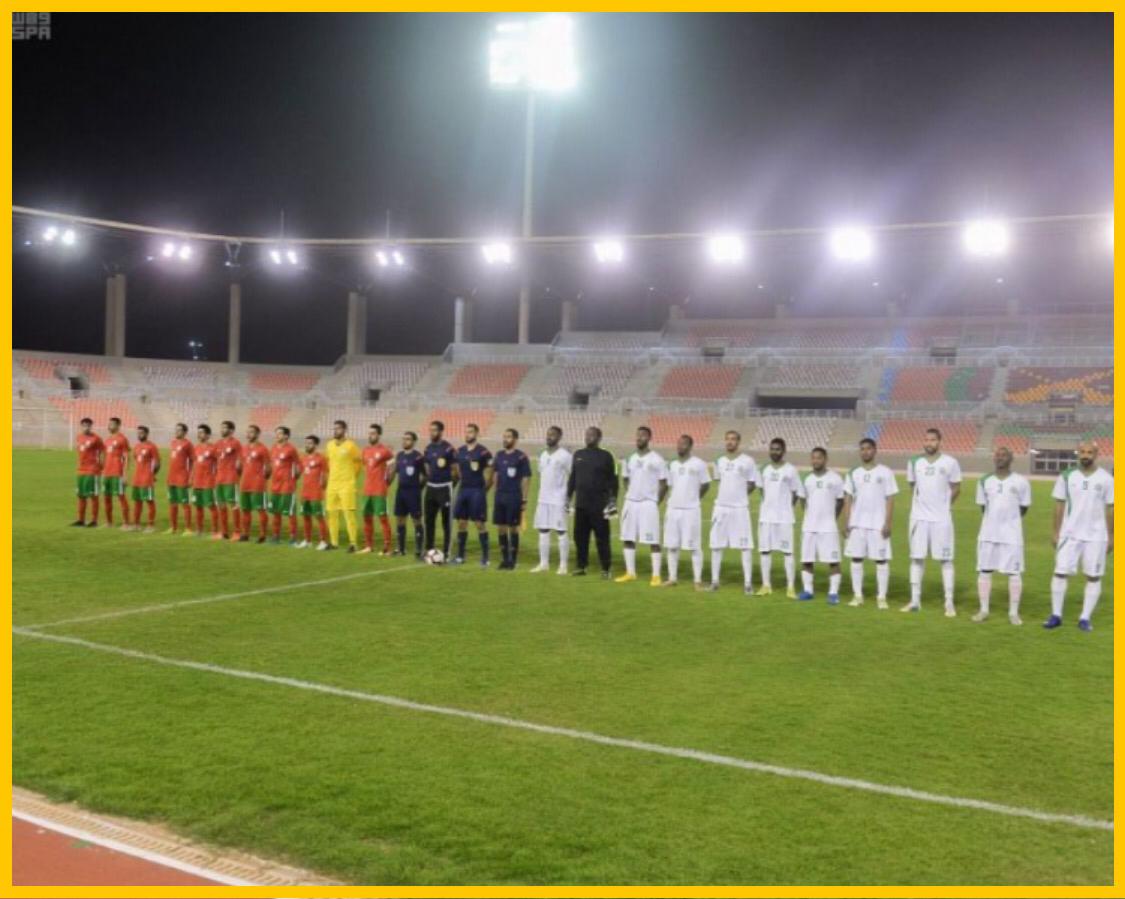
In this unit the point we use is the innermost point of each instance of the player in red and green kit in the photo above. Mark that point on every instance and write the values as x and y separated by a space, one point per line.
376 457
181 455
146 463
314 478
226 481
203 474
91 459
285 466
252 489
113 475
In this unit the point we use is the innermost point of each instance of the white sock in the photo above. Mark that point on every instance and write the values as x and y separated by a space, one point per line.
790 570
630 554
806 580
916 582
747 567
673 565
656 563
1015 591
834 583
697 565
1058 595
564 549
1090 598
947 581
984 590
766 570
857 579
882 579
716 564
544 548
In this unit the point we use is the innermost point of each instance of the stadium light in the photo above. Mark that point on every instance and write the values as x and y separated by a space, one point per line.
53 234
609 251
852 244
986 237
385 258
726 248
283 256
497 253
535 54
181 252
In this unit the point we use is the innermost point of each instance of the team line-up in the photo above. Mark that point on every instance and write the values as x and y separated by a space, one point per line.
232 480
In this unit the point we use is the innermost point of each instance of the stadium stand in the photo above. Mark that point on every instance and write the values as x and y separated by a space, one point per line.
74 410
816 338
810 376
1016 437
905 435
456 420
1031 386
704 382
283 381
179 375
487 380
57 369
939 384
573 424
667 429
269 417
608 340
608 380
800 433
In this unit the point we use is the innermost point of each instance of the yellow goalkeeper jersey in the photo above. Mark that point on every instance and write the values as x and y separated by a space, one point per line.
344 463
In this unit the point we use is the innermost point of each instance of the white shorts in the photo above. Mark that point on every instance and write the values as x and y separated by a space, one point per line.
933 538
640 522
730 528
867 543
550 517
1005 558
1090 552
820 547
775 537
683 529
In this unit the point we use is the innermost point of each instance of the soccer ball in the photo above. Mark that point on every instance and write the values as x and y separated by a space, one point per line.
435 557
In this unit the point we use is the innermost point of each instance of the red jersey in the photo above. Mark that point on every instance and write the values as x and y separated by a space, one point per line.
230 454
206 466
255 457
180 456
116 455
375 459
284 458
90 446
145 459
314 468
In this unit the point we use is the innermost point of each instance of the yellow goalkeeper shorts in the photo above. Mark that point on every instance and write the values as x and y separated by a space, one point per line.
340 499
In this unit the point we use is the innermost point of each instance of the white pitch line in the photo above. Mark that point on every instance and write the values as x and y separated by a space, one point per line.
223 597
696 755
125 849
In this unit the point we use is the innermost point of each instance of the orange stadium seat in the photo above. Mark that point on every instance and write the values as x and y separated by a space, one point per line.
666 429
905 435
99 410
269 417
50 369
1029 386
455 421
704 382
487 380
940 384
292 382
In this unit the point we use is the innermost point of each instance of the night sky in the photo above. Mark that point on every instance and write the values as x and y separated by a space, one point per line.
681 123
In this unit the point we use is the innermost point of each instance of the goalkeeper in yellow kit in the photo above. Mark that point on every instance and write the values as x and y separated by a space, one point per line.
344 463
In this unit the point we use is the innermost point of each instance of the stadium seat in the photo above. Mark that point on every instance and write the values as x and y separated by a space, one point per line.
269 417
667 429
611 379
74 410
806 376
487 380
456 420
48 369
292 382
703 382
179 375
391 376
800 433
1031 386
939 384
906 435
573 423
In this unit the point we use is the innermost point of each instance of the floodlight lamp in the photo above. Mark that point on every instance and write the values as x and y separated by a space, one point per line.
986 237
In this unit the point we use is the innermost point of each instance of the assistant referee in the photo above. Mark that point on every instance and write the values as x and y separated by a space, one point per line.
592 491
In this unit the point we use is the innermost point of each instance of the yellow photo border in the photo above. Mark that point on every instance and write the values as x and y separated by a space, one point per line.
528 892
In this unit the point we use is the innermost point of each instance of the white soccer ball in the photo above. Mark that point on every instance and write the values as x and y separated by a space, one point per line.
435 557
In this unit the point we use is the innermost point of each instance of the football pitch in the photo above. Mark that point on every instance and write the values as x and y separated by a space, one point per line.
383 722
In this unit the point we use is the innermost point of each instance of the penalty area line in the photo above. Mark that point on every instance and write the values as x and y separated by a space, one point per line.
710 758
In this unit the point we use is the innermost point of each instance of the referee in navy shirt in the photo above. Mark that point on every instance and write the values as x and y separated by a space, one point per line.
439 457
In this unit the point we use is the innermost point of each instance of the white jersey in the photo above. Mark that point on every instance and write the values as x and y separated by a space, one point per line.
933 482
1003 501
869 489
822 492
1086 498
733 475
686 478
554 474
644 474
780 483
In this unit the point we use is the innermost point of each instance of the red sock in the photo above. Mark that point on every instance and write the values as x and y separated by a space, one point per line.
224 518
97 509
125 509
174 514
277 525
386 523
262 522
137 511
215 521
308 528
199 519
292 527
81 508
323 529
187 517
368 531
108 509
151 513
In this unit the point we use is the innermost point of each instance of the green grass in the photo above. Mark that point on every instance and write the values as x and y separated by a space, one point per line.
373 794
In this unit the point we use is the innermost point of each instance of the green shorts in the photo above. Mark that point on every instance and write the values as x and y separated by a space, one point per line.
313 508
282 504
113 486
87 485
142 494
374 505
226 494
202 497
179 496
251 502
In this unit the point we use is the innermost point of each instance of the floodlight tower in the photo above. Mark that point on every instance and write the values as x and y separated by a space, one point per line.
535 56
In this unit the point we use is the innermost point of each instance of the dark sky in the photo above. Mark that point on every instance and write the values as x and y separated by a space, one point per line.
681 122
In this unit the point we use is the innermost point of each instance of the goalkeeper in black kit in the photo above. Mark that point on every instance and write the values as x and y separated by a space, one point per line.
592 494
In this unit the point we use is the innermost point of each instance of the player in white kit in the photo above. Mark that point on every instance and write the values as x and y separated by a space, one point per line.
730 518
936 479
688 480
820 531
646 477
1004 498
781 488
869 504
550 509
1083 532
